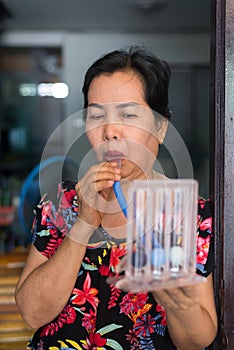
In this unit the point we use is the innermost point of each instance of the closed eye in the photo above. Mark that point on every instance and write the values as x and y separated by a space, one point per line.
95 111
128 115
96 117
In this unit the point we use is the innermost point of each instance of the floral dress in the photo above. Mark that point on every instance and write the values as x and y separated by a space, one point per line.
98 315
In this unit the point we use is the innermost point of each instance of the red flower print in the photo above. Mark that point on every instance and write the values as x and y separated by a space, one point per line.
44 213
162 312
131 337
202 249
86 295
115 293
70 196
67 316
132 302
60 223
206 224
53 231
89 321
144 325
116 253
104 270
51 216
66 199
51 247
94 342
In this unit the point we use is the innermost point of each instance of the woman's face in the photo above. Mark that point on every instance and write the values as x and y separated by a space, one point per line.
120 123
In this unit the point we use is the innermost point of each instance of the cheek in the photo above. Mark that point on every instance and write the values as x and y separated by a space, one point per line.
145 138
153 144
96 143
93 137
143 151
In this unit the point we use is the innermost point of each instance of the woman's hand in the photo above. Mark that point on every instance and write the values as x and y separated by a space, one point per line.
93 191
190 313
178 298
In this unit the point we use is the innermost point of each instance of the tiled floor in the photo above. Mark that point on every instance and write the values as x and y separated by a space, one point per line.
14 333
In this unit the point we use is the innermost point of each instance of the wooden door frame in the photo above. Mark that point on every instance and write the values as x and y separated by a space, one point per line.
222 164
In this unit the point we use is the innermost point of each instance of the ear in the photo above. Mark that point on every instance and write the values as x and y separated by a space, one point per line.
162 125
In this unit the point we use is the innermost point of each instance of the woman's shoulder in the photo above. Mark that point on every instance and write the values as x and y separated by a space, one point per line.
54 216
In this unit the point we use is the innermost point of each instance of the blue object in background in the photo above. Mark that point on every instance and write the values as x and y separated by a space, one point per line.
31 185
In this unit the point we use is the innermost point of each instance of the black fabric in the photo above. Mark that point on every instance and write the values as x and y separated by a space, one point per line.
99 315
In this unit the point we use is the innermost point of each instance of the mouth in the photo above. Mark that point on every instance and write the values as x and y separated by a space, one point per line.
114 156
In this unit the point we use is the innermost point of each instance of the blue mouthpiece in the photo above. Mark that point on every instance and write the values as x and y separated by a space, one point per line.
120 197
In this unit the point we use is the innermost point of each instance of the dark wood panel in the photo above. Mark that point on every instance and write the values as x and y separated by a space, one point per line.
222 165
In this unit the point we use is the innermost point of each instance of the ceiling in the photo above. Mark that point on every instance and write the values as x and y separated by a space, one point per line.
106 15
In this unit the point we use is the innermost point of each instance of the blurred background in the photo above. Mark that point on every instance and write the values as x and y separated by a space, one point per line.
45 48
49 42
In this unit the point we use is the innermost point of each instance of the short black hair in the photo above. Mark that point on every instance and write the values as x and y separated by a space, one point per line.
155 74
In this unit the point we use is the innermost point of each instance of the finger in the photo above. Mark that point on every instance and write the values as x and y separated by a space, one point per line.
88 192
99 181
111 166
104 171
107 176
104 176
94 174
102 185
107 167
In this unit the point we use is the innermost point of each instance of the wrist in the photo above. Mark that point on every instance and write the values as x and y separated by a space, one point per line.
81 231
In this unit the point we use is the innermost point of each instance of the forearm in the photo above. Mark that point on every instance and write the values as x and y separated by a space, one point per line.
46 290
191 329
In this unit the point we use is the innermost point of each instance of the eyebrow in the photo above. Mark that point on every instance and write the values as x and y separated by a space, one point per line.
120 105
96 105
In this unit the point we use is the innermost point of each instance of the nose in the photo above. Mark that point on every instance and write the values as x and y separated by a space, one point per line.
112 131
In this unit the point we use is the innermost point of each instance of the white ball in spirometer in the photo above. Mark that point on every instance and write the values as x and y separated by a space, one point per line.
177 255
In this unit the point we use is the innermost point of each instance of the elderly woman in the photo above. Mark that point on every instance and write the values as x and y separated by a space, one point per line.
79 237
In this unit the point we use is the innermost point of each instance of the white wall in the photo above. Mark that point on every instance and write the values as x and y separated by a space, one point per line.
81 49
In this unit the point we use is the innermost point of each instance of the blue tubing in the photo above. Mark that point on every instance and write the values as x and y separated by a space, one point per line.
120 197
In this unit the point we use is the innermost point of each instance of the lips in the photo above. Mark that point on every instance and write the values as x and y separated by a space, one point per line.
113 155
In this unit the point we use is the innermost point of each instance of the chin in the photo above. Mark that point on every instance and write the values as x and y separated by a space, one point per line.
132 171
